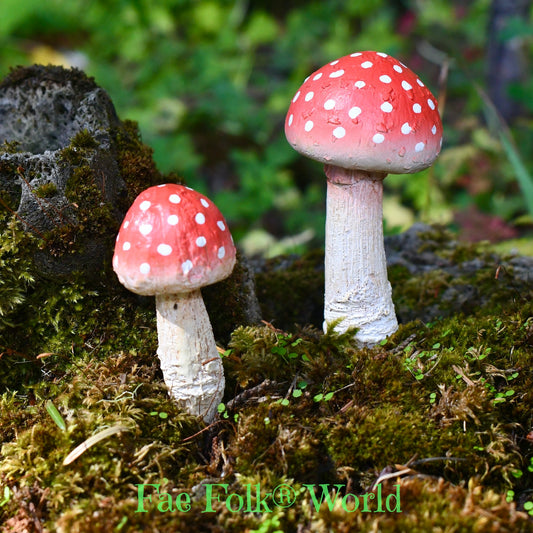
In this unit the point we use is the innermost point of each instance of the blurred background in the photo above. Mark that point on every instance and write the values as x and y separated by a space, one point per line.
210 81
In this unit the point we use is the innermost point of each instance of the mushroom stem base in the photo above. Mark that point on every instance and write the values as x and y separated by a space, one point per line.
191 365
357 291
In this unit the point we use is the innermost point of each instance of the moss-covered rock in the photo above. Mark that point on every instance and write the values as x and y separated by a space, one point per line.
68 165
434 423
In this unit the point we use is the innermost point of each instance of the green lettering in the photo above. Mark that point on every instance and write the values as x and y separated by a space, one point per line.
397 508
179 504
141 497
344 503
209 496
166 504
325 495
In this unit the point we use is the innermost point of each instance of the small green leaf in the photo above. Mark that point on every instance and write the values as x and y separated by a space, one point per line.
297 393
163 415
284 402
318 397
56 415
7 496
328 396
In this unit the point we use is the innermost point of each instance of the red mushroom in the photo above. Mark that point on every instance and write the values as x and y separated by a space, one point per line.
364 115
172 242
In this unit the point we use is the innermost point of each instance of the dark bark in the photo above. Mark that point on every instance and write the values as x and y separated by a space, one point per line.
505 57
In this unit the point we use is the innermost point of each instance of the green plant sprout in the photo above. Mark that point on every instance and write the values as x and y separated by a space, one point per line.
283 347
528 506
416 362
161 415
223 412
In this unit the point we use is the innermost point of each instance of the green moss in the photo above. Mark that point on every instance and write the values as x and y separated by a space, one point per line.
136 163
10 147
48 190
291 290
447 403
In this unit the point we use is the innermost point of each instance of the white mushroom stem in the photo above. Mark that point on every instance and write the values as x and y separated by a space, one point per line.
356 286
191 365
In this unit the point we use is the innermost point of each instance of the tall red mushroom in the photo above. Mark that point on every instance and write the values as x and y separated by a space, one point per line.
364 115
172 242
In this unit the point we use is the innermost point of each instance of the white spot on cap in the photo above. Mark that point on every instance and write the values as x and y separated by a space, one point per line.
296 96
334 62
419 147
431 104
144 268
406 129
329 104
145 229
291 118
200 218
186 266
354 112
201 242
385 78
367 64
434 129
317 76
419 82
126 246
378 138
164 249
356 54
145 205
115 260
221 252
126 224
308 125
339 132
381 54
309 96
221 225
337 74
386 107
174 199
172 220
359 84
204 202
417 108
407 86
397 68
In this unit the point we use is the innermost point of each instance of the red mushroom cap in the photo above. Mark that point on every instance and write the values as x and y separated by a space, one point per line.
366 111
173 239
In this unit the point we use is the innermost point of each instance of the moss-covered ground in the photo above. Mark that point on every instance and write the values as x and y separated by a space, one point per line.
430 431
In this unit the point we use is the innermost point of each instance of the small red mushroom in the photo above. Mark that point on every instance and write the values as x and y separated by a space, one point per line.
172 242
364 115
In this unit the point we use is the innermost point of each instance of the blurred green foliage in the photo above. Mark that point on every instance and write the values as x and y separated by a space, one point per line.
209 82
